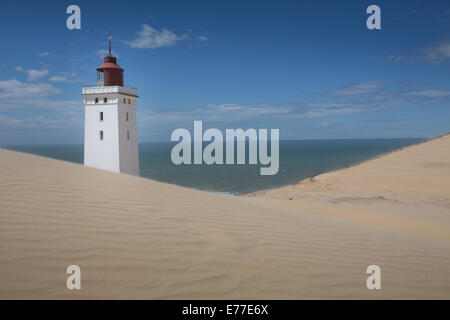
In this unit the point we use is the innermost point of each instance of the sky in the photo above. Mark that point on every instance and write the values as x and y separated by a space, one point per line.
311 69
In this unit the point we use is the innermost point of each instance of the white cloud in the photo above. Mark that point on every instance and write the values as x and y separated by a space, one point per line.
40 107
149 37
60 78
248 109
432 54
325 112
253 112
202 38
44 54
13 89
397 57
327 105
222 112
341 102
430 93
32 73
438 53
408 84
36 74
359 89
101 53
64 77
7 122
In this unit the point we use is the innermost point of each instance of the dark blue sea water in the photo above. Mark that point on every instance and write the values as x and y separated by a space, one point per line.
298 160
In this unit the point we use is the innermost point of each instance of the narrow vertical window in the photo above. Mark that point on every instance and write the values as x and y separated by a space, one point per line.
126 116
124 100
101 116
96 100
129 101
105 100
128 134
101 135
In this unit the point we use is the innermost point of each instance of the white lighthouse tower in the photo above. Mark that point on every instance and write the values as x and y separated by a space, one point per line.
110 134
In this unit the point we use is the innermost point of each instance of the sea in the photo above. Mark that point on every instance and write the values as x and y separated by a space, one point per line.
299 159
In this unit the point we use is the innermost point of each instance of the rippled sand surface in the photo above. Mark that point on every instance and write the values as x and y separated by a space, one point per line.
135 238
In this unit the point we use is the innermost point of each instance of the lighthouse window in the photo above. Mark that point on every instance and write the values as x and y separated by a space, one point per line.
124 100
126 116
128 134
101 116
105 100
129 101
101 135
96 100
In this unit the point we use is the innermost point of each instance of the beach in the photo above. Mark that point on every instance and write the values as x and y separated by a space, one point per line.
135 238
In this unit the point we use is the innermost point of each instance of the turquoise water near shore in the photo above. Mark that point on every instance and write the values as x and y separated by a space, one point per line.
298 160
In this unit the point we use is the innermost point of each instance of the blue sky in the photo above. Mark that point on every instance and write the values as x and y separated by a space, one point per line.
310 68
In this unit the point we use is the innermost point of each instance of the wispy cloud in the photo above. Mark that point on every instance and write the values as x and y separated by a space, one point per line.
222 112
253 112
151 38
9 122
438 53
435 54
64 77
34 75
359 89
13 89
46 54
342 102
33 105
397 57
202 38
250 109
430 93
101 53
408 84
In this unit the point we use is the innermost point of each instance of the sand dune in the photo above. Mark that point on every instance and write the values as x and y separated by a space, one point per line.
406 191
141 239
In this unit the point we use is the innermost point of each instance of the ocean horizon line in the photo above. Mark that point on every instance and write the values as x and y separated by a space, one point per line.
5 146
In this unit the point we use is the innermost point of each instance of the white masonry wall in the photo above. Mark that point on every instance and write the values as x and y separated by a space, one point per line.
116 152
128 145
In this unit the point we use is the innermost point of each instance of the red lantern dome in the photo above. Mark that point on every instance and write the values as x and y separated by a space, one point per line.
112 73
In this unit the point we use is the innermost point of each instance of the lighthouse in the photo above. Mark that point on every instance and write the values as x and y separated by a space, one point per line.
110 133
